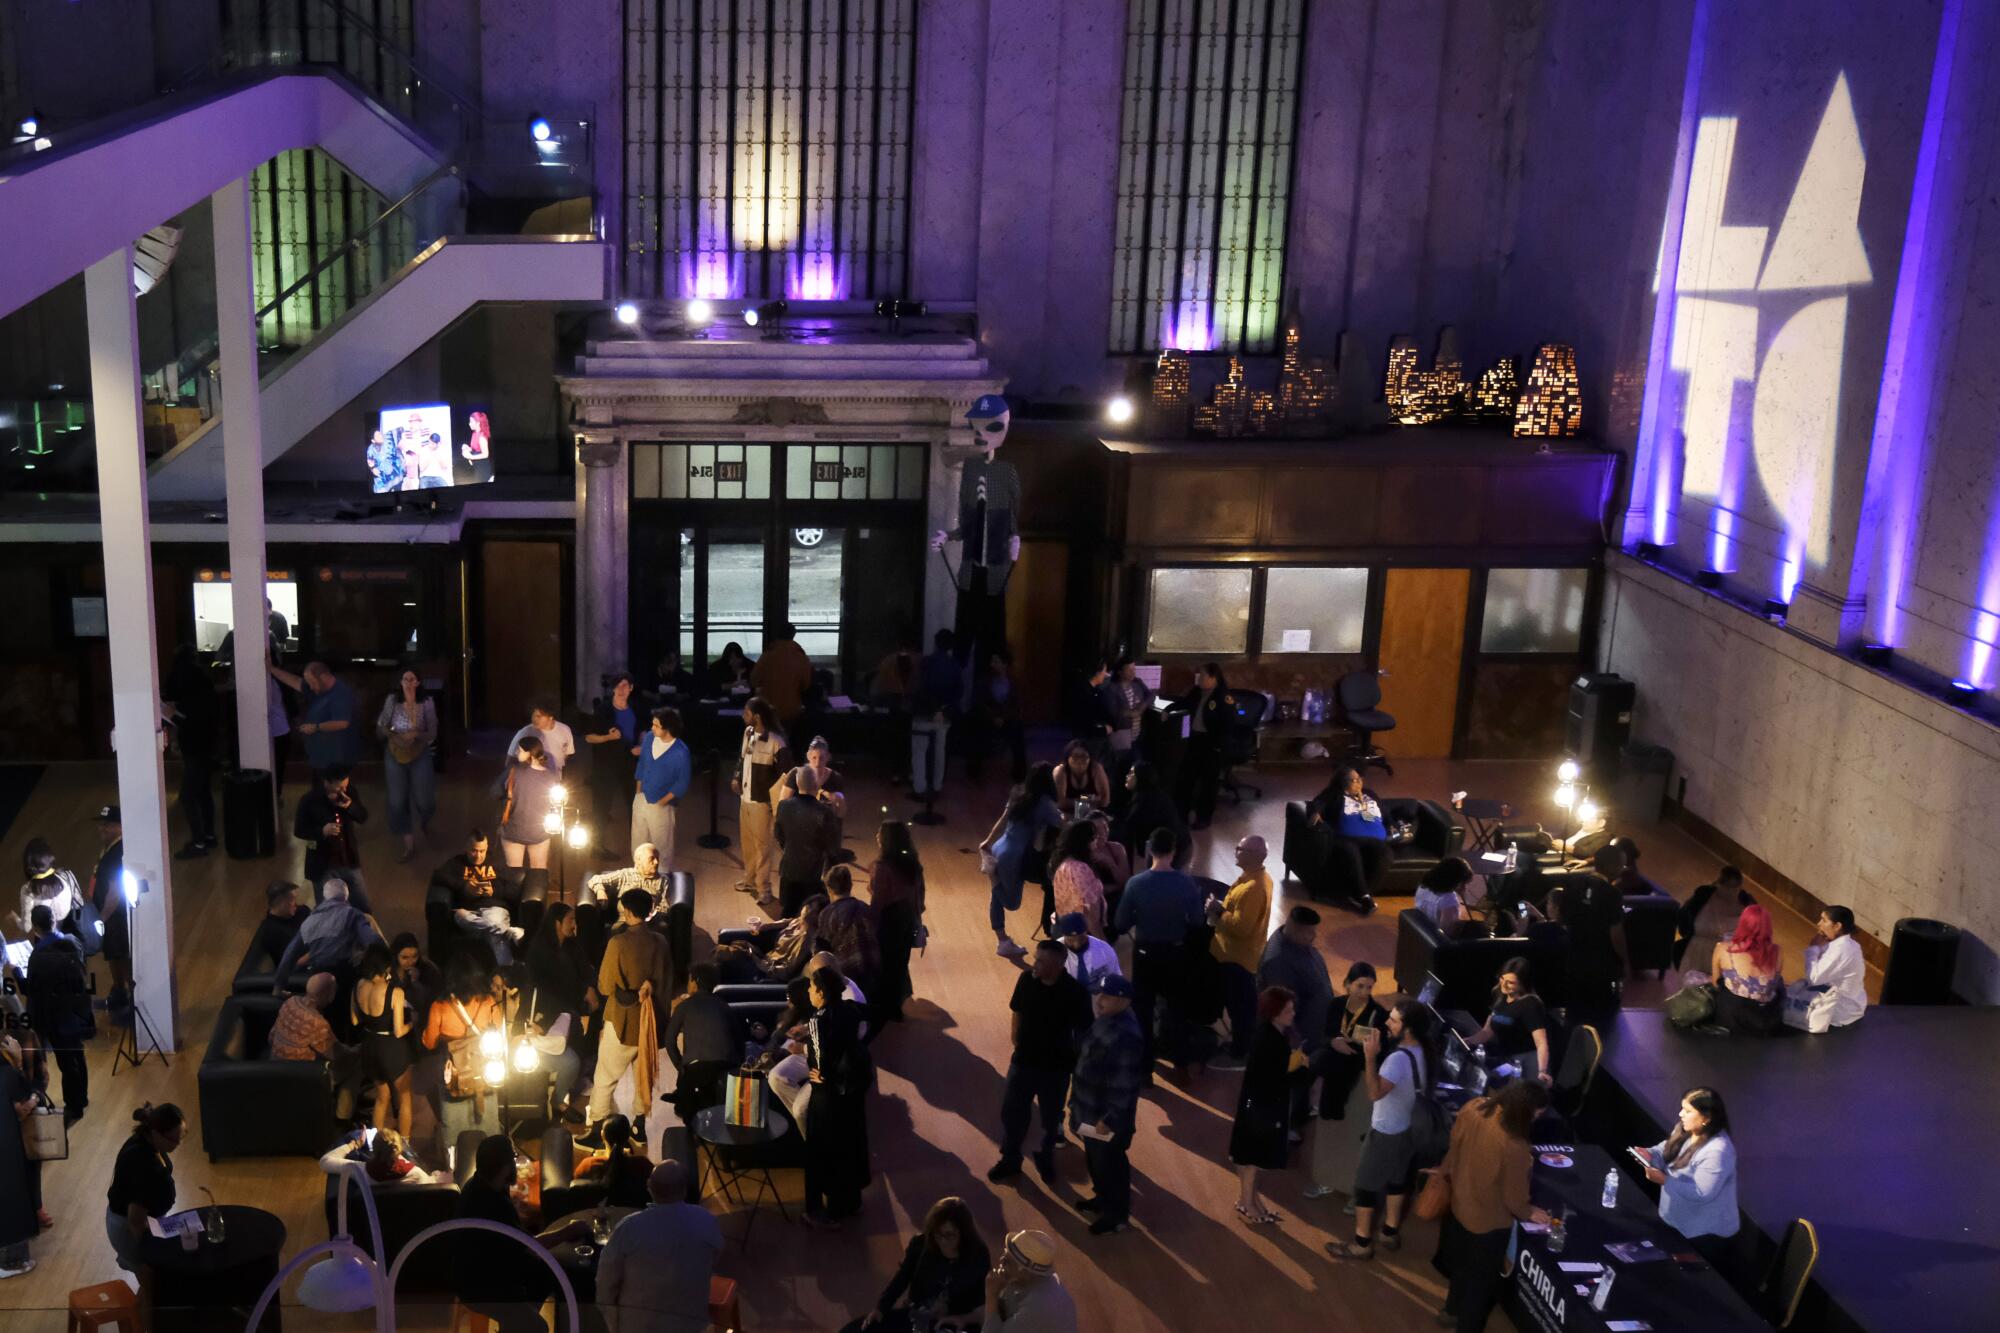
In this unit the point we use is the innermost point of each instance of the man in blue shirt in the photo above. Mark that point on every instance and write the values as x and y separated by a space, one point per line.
1159 907
1111 1068
661 780
940 687
328 727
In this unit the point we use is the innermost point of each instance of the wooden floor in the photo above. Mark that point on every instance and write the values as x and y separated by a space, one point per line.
1188 1263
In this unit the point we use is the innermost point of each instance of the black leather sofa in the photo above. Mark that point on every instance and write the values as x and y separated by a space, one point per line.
1467 968
405 1211
1650 920
1438 835
252 1105
258 970
676 917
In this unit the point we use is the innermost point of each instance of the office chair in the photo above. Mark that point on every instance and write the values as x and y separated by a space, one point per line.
1360 696
1243 743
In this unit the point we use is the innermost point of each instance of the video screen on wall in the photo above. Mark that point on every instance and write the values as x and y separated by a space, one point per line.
429 446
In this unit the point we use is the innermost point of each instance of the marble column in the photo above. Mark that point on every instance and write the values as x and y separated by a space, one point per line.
112 315
601 561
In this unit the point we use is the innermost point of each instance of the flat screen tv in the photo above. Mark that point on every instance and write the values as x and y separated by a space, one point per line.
428 446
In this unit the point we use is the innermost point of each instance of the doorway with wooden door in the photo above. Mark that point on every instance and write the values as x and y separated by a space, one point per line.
1422 643
521 628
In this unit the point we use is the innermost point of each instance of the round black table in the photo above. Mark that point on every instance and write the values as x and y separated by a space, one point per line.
216 1285
579 1267
720 1145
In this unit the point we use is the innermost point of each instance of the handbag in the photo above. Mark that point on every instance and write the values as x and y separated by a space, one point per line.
1434 1199
743 1095
45 1133
1691 1005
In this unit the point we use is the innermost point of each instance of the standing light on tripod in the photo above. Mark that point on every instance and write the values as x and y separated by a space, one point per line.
1568 771
579 837
552 823
1566 796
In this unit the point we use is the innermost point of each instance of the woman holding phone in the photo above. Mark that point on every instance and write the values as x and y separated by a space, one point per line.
1695 1168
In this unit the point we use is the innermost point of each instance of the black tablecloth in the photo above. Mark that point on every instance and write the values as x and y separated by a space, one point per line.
215 1286
1664 1293
578 1267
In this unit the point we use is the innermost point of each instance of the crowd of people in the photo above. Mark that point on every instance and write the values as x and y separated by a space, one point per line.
1131 966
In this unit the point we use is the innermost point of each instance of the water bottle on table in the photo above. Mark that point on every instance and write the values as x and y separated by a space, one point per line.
1611 1190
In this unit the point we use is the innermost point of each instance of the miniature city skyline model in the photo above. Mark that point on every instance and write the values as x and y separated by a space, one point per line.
1552 404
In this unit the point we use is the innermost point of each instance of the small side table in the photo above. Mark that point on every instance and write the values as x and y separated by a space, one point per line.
719 1142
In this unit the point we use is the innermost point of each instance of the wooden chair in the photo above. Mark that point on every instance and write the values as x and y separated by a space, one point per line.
106 1305
724 1311
1798 1255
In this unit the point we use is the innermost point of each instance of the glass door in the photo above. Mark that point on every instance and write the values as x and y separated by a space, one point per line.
814 560
732 579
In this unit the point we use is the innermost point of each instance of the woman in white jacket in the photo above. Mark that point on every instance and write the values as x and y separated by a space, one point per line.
1834 990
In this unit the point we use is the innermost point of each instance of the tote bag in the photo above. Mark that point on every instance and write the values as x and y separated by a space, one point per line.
45 1133
743 1096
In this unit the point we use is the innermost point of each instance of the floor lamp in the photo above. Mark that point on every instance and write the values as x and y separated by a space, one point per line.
352 1280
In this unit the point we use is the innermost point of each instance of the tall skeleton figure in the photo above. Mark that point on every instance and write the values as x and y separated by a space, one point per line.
988 533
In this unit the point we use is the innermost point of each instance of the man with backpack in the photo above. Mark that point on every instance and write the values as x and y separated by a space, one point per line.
1398 1084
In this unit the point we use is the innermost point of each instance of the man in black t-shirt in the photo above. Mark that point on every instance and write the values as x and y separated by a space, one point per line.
1050 1010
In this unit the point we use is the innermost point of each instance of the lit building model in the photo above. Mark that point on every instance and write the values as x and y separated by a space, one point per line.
1227 411
1305 389
1553 401
1173 391
1497 390
1419 397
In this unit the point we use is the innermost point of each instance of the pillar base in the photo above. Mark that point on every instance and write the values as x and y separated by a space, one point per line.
1825 617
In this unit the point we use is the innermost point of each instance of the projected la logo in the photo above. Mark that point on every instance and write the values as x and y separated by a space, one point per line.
1727 281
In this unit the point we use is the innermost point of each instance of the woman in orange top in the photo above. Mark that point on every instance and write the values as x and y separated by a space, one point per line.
467 1008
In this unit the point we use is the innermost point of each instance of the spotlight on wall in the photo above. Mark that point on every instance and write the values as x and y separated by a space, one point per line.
628 312
1708 578
1775 609
1119 410
753 315
31 125
1875 655
700 311
540 130
1964 693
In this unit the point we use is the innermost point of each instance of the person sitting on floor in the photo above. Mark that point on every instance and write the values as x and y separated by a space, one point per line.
1834 991
1747 968
654 1274
942 1279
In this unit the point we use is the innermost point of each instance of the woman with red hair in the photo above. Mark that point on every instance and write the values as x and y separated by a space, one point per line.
1749 990
1260 1138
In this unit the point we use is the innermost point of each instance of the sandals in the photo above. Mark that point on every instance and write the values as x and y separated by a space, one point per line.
1262 1219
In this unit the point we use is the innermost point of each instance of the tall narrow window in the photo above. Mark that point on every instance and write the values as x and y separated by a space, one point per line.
306 208
767 147
1205 173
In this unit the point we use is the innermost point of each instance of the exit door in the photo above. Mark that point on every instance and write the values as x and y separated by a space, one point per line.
1423 640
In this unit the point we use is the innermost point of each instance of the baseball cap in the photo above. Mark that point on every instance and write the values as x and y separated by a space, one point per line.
1112 984
1032 1250
1071 923
110 815
989 405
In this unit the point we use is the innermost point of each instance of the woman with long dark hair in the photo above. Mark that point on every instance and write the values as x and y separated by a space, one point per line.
942 1279
1350 827
896 891
1489 1165
1073 882
1259 1138
408 726
1747 971
1149 807
1336 1138
1078 777
1211 718
1015 840
1518 1022
1695 1168
381 1014
836 1126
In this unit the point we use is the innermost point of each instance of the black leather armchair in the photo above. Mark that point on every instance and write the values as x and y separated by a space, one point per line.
1468 967
676 915
1438 835
252 1105
258 970
405 1210
562 1193
1650 919
759 1002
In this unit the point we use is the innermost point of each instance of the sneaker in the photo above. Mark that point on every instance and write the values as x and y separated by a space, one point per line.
1390 1240
1005 1169
1317 1191
1109 1226
1350 1250
819 1221
1009 949
27 1267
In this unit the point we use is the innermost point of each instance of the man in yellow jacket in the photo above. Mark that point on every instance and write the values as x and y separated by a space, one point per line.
1241 919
